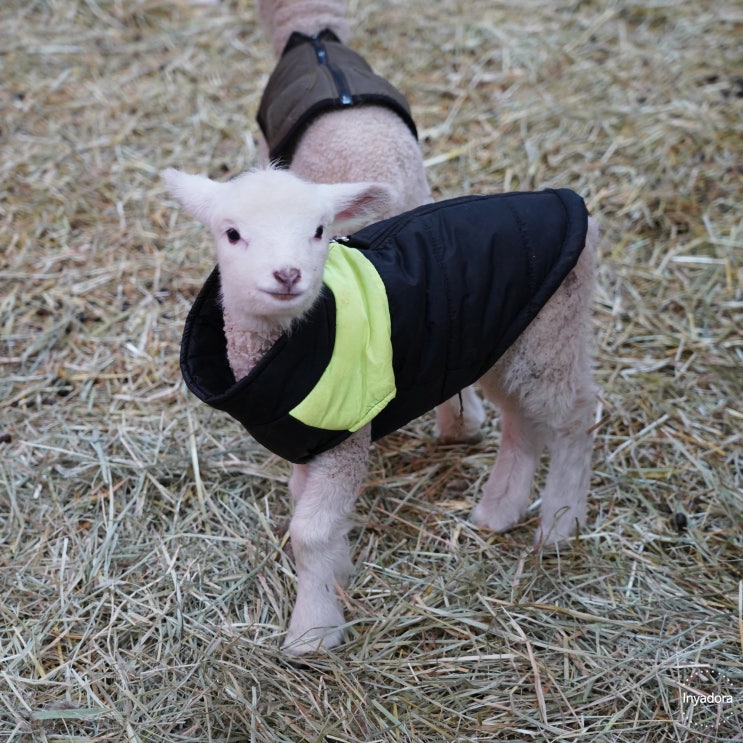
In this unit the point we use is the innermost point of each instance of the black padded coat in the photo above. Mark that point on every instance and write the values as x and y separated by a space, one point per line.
433 298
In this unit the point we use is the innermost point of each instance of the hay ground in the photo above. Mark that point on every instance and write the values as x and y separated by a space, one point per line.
144 582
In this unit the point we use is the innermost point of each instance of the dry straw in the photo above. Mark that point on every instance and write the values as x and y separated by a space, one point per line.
144 574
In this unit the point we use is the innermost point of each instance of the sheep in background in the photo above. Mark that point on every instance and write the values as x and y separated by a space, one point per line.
342 140
332 346
327 117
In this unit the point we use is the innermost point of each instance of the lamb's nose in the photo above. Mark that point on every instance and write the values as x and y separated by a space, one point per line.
288 277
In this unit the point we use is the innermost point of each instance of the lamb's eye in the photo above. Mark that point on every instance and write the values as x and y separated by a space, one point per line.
318 232
233 235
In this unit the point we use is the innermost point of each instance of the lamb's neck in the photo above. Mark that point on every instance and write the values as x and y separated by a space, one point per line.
246 346
307 16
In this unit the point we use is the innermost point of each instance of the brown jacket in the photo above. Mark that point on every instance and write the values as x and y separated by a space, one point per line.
317 74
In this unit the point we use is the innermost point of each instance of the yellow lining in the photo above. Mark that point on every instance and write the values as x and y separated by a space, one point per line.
359 380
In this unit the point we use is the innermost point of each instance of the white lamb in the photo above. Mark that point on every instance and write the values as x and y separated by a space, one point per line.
269 230
355 144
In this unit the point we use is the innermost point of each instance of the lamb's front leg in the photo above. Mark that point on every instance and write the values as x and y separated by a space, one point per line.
324 490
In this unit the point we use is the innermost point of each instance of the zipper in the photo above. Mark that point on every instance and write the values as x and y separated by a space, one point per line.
341 84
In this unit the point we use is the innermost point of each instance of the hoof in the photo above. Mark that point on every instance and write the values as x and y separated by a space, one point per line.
459 438
499 522
315 640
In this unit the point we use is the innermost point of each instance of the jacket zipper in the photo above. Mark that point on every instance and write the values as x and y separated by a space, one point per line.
341 84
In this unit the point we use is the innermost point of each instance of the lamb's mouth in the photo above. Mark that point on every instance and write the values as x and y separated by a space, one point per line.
285 296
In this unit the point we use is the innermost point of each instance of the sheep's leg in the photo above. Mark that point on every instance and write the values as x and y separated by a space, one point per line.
325 490
460 418
568 479
507 492
565 428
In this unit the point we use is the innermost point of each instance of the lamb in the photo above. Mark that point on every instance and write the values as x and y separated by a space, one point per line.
372 139
346 143
324 341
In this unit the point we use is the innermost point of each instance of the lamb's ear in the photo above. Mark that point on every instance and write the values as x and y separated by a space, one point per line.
360 202
196 193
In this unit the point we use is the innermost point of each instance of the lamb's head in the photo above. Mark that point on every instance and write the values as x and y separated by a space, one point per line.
271 234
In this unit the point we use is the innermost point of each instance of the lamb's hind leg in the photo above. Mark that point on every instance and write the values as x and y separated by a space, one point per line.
507 492
569 442
570 445
325 490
